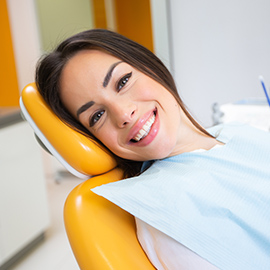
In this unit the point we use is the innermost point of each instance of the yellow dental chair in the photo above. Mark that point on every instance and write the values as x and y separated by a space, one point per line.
102 235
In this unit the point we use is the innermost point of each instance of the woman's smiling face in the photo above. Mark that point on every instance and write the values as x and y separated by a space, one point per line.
130 113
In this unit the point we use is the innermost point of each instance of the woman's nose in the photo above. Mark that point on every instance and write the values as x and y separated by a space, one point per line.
123 114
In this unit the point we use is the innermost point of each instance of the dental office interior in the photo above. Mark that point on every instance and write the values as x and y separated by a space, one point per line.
217 51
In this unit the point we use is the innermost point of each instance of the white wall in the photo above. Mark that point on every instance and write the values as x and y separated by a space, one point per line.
25 38
161 30
219 49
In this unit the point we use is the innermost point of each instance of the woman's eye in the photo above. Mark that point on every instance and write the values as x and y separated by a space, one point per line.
122 82
95 118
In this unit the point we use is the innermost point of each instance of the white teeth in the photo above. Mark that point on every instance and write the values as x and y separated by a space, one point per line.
145 129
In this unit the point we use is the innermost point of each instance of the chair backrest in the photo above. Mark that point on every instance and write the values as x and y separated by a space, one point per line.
79 154
102 235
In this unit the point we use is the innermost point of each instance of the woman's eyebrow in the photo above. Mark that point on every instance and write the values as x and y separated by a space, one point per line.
109 73
84 107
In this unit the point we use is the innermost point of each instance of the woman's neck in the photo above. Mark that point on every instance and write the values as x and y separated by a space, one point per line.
190 138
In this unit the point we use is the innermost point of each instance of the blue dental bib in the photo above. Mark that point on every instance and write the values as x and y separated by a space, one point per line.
215 202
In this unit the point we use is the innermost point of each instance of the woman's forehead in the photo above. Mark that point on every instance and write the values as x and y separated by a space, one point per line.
95 57
89 69
86 63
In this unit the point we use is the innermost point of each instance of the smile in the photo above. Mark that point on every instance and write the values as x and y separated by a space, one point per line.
145 129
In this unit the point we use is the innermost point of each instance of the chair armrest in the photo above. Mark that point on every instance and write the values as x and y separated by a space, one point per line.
102 235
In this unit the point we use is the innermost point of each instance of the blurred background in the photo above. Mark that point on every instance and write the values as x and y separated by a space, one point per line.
216 51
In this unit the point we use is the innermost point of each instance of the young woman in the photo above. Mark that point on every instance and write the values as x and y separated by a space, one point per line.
116 91
50 69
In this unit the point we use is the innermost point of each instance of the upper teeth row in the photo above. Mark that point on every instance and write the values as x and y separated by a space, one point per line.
145 129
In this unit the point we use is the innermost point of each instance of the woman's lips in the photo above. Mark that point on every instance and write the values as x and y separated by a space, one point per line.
145 129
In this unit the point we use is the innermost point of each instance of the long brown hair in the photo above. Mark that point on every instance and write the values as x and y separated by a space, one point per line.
49 69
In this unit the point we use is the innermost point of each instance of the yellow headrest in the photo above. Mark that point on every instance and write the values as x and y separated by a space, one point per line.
79 154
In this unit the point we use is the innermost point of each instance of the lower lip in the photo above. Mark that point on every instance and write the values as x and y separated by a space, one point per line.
151 135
